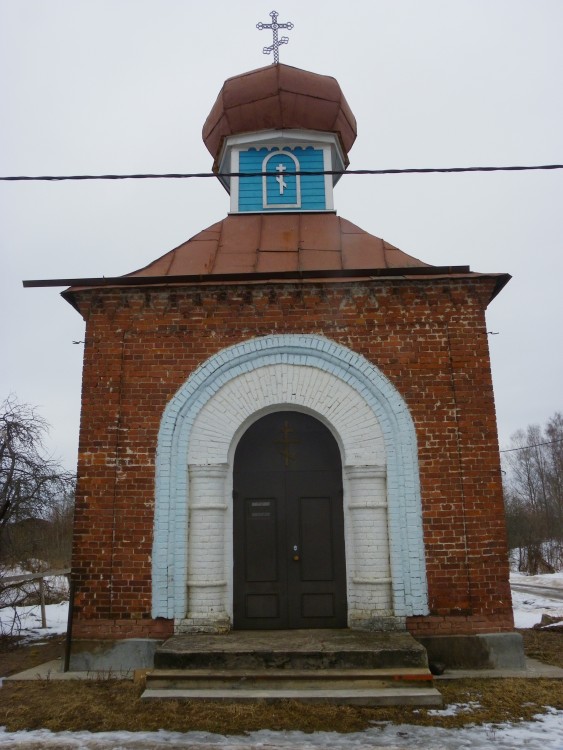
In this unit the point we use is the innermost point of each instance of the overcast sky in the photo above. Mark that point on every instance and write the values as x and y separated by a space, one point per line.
124 86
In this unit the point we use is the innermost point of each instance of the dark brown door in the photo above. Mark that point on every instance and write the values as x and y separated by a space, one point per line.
289 560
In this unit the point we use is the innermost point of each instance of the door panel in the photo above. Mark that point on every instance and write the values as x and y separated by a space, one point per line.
317 605
315 532
317 582
259 574
289 557
262 607
260 527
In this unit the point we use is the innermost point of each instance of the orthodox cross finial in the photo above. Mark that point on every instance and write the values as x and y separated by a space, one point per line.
274 47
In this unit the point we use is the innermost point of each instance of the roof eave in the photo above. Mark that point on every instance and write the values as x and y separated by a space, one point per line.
336 275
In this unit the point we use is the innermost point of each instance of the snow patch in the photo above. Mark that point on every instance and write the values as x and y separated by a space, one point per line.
547 580
455 708
528 606
545 733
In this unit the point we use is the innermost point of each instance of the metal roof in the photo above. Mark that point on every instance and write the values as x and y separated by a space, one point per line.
277 248
250 243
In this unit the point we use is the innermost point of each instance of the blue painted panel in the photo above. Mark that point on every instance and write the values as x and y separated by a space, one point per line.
283 190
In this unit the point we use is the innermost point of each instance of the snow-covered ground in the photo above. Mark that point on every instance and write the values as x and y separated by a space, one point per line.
529 605
56 616
544 734
548 580
26 620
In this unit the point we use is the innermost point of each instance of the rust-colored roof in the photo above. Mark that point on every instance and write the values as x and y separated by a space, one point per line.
279 242
277 248
279 97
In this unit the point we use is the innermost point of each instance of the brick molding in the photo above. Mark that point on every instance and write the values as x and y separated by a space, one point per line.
199 431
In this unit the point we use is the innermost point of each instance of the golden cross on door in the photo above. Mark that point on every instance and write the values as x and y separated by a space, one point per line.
286 443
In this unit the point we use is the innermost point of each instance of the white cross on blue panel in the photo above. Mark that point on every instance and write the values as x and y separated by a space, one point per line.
282 189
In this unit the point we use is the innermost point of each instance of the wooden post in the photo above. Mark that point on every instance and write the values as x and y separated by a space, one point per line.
42 598
68 642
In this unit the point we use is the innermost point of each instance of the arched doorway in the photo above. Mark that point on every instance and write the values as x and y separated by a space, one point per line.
288 527
192 563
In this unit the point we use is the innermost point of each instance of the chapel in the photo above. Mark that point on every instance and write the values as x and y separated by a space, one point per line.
287 422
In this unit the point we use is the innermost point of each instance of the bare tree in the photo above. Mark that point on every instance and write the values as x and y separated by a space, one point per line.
534 496
33 486
554 433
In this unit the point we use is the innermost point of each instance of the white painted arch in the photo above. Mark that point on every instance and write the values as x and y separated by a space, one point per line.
192 552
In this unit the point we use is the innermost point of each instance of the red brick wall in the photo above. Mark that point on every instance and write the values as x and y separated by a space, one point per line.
427 336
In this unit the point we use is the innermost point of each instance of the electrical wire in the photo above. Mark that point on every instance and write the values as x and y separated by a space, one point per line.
188 175
537 445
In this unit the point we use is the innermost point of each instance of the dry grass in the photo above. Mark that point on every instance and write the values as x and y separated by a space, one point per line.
116 705
544 645
105 705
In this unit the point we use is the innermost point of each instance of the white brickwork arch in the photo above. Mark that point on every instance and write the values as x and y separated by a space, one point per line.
200 428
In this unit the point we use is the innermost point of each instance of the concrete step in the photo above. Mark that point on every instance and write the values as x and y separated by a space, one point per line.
403 696
314 666
297 649
362 687
304 679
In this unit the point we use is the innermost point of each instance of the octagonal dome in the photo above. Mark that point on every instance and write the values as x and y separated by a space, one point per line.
279 97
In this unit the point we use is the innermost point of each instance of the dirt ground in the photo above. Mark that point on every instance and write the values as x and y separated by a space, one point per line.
15 656
106 705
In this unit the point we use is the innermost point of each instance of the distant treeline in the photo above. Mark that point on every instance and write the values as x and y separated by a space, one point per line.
533 491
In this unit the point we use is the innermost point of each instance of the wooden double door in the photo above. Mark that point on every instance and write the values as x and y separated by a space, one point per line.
289 556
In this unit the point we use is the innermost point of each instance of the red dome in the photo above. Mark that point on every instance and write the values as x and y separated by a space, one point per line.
279 97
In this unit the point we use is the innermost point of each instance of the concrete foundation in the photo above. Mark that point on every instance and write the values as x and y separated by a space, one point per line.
113 656
487 651
490 651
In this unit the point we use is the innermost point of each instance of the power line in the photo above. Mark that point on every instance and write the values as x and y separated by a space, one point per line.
189 175
537 445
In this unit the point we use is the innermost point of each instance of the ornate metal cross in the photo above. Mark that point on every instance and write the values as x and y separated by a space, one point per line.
274 47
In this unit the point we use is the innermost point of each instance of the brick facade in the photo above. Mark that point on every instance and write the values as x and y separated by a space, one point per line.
427 336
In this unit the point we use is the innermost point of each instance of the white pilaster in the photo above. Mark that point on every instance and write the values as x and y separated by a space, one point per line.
207 571
369 573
